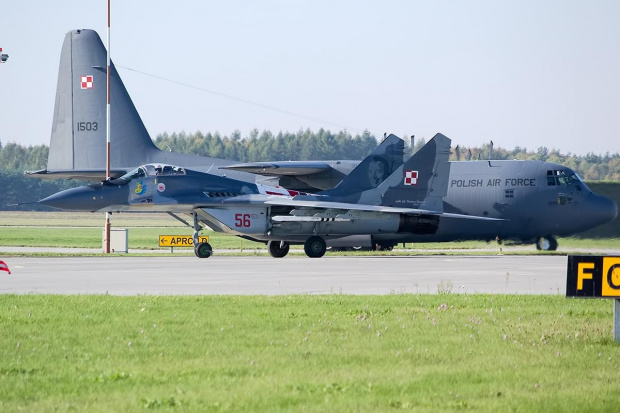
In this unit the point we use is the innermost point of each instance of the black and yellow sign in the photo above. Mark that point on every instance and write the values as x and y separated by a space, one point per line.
179 240
593 277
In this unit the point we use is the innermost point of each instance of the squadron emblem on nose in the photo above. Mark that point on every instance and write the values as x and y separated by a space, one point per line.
140 188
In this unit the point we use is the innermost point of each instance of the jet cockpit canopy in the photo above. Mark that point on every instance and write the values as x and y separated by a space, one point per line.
153 169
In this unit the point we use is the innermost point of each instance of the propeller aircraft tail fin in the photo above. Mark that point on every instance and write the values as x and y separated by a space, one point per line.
78 140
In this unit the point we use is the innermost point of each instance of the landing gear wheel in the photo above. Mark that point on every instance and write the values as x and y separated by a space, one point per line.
278 249
315 247
203 250
546 244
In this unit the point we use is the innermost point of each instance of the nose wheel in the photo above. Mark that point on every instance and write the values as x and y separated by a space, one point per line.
203 250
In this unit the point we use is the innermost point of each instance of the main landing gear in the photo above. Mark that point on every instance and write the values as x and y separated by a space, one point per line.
547 243
315 247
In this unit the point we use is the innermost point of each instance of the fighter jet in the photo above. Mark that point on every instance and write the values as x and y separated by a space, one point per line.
380 196
528 201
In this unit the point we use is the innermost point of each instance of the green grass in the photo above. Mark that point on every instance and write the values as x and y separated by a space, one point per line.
147 238
140 237
84 230
307 353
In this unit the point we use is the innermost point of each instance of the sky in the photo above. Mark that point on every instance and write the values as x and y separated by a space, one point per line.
525 73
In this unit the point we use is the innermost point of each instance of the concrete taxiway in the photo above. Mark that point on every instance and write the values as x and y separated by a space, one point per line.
291 275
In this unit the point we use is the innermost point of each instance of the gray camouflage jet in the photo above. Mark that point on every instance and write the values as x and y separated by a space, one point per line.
382 195
369 203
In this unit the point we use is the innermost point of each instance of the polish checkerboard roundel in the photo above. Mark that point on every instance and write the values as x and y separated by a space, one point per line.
411 177
86 82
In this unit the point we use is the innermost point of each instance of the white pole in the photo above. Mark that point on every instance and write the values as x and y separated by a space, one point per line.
617 320
107 133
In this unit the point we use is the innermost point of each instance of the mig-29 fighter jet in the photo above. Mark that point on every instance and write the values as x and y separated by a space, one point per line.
381 195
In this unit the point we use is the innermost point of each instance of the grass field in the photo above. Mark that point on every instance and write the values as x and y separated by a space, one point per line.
328 353
84 230
307 353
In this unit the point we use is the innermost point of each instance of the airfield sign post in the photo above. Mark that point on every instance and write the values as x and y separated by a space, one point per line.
186 241
595 277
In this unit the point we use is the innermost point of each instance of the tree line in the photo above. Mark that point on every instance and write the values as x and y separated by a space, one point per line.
324 145
267 146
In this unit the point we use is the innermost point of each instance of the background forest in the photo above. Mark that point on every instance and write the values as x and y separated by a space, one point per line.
267 146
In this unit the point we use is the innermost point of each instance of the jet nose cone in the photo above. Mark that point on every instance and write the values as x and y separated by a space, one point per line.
73 199
87 198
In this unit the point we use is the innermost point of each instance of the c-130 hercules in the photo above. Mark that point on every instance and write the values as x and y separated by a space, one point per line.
425 199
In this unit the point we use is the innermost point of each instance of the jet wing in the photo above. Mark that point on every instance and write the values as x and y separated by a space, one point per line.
94 175
324 205
281 168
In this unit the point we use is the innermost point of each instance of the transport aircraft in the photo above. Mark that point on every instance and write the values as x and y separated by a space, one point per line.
528 201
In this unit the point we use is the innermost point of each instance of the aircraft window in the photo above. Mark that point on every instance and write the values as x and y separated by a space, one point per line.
562 177
169 170
579 184
139 172
152 169
161 169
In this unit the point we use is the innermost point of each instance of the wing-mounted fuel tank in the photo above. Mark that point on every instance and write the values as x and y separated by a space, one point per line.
347 223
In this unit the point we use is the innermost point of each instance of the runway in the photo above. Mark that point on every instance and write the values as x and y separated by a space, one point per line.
291 275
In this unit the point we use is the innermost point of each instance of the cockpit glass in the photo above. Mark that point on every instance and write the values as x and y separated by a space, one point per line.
153 170
139 172
565 177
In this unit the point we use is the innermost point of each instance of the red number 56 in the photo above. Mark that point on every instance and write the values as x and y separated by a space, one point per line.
242 220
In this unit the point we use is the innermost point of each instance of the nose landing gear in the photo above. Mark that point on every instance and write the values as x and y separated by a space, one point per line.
203 250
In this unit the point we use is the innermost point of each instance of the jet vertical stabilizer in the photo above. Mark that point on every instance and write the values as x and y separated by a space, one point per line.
373 170
420 183
423 179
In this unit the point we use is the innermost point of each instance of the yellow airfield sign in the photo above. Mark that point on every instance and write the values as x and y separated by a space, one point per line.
179 240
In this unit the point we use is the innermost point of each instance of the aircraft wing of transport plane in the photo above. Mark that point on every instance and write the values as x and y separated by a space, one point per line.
380 196
530 201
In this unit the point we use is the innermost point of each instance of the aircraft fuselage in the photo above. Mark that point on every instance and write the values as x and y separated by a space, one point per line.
529 199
